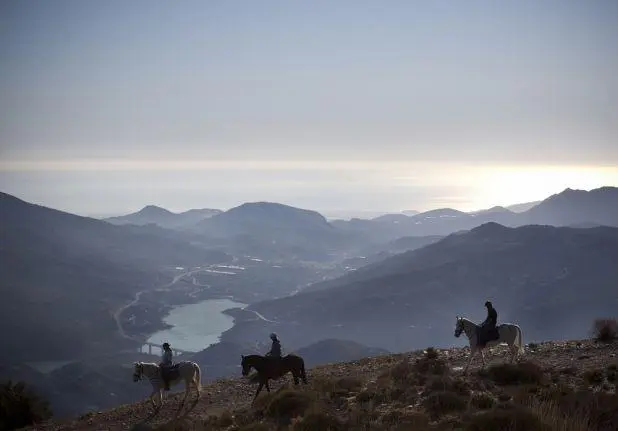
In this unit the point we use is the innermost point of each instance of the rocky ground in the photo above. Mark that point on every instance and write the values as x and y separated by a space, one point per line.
555 386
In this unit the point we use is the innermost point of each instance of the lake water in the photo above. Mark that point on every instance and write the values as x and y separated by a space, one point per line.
196 326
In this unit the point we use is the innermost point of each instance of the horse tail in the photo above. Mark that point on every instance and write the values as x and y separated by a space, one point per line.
519 340
303 375
198 378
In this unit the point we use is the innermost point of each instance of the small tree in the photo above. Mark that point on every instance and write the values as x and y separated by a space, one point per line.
605 330
20 406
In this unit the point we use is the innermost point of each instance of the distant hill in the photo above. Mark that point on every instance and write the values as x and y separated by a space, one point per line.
536 275
569 207
62 275
152 214
577 206
518 208
274 229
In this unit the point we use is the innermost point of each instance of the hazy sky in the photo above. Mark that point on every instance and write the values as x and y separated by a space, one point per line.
111 105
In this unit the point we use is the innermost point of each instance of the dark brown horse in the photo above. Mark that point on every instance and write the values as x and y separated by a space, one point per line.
274 368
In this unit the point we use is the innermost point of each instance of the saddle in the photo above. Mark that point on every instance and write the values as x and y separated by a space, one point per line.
488 334
275 365
172 373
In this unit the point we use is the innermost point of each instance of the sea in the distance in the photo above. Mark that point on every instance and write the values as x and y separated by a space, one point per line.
196 326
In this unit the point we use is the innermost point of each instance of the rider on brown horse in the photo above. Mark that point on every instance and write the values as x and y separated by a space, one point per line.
275 348
488 327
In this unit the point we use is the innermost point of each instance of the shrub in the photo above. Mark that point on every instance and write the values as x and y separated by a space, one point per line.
518 418
594 377
440 403
447 383
483 401
431 363
20 406
513 374
605 330
318 421
612 373
289 403
259 426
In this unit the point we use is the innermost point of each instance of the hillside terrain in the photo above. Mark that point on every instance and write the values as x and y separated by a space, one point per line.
557 386
71 272
550 280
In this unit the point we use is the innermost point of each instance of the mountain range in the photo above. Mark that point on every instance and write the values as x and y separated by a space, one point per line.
550 280
70 271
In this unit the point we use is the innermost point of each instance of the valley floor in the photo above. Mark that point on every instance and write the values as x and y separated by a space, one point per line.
562 363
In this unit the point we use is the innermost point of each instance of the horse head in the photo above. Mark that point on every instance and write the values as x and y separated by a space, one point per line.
138 371
459 327
245 364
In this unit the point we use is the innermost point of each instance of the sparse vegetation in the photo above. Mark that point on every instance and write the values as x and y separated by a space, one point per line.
571 389
515 374
20 406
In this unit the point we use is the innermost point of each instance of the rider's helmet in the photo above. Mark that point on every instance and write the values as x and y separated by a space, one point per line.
166 345
273 336
488 304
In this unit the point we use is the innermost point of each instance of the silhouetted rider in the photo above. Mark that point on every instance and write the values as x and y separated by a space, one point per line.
166 364
488 327
275 348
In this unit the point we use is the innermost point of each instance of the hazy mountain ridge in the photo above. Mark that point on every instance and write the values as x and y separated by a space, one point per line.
152 214
521 269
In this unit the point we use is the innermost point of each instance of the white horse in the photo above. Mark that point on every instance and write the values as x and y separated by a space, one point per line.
185 370
508 333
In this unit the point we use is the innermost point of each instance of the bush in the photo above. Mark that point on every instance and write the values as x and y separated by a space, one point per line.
483 401
440 403
594 377
612 373
431 363
518 418
20 406
289 403
605 330
318 421
513 374
447 383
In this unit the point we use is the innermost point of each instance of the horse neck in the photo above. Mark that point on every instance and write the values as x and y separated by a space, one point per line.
469 327
150 370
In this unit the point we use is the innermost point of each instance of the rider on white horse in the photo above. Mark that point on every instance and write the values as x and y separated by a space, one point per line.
166 364
488 327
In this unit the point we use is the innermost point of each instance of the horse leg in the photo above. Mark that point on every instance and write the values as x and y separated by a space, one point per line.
258 391
483 358
472 353
152 400
267 387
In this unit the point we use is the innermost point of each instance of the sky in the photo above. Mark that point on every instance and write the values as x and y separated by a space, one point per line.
106 107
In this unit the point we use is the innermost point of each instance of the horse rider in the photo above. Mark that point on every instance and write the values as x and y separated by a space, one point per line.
275 348
166 364
488 327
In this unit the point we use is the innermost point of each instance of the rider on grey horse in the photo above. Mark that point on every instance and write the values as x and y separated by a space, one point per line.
166 364
488 327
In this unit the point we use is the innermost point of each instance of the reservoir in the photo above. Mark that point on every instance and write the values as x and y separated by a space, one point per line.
196 326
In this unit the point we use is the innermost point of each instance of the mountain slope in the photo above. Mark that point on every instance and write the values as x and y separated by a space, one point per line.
536 275
392 392
62 275
577 206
